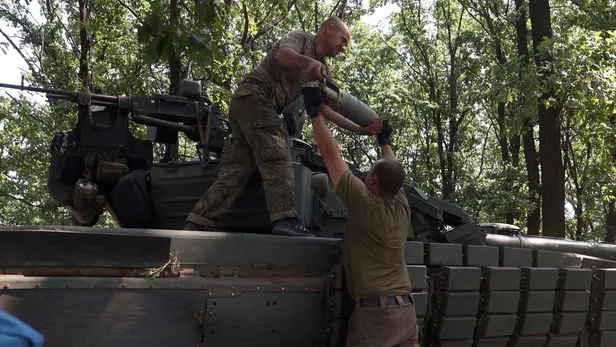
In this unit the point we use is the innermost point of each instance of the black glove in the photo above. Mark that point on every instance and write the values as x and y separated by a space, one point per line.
313 99
384 135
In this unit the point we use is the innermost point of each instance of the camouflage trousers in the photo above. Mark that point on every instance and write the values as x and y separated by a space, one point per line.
258 142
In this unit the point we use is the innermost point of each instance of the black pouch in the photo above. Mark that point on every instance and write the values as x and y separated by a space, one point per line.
131 200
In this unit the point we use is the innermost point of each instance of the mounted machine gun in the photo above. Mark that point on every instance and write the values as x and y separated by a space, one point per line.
88 161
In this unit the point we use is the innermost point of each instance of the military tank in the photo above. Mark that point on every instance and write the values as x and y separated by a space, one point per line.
148 283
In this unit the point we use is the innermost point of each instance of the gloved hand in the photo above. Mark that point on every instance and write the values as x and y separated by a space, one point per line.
313 99
384 136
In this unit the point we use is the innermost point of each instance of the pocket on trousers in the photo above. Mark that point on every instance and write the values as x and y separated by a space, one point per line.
270 140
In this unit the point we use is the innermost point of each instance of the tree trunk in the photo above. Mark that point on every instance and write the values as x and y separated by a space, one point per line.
610 222
533 218
84 42
175 64
502 138
550 156
175 75
455 116
514 147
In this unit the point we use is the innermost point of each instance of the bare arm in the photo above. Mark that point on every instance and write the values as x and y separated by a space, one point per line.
347 124
329 150
387 152
290 58
339 120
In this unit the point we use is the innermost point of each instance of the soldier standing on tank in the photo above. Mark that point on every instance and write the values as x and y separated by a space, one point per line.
260 141
378 217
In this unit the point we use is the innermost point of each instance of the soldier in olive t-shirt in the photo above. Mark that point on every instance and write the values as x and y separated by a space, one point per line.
377 228
378 217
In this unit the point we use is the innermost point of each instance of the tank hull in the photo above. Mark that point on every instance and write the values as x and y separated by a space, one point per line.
98 287
133 287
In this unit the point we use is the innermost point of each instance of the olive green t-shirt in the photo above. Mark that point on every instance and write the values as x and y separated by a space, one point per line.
376 233
285 83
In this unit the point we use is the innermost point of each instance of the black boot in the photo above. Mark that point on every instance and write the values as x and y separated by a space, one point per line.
291 227
198 227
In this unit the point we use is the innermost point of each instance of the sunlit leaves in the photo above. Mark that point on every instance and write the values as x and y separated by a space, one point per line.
435 52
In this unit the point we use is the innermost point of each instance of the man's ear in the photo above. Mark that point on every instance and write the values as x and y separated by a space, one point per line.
372 179
330 29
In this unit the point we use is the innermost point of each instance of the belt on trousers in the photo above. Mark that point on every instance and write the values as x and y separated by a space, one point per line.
256 82
391 300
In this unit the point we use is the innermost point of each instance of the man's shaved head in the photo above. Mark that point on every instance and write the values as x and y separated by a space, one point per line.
335 21
389 176
332 37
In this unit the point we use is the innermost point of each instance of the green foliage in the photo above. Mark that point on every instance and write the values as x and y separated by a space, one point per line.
441 74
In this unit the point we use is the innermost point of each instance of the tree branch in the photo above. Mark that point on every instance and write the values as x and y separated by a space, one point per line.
20 199
53 13
27 114
34 71
131 11
422 50
265 28
331 13
246 22
299 17
341 9
406 62
316 16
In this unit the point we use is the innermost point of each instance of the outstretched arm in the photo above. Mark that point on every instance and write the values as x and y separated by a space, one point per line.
328 148
384 139
326 143
387 152
347 124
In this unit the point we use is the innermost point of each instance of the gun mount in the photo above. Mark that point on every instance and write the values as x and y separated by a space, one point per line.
88 161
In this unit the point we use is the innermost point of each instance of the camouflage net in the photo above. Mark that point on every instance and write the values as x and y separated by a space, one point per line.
172 267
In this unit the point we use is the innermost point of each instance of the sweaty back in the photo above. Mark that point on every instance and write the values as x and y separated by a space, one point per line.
285 83
377 228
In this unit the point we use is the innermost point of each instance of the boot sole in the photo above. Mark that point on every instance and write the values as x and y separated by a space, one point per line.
290 232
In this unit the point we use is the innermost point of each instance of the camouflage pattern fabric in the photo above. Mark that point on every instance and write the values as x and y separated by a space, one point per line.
259 138
285 83
259 141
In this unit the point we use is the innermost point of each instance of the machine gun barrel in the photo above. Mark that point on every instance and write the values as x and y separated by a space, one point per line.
187 112
168 111
141 119
97 99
